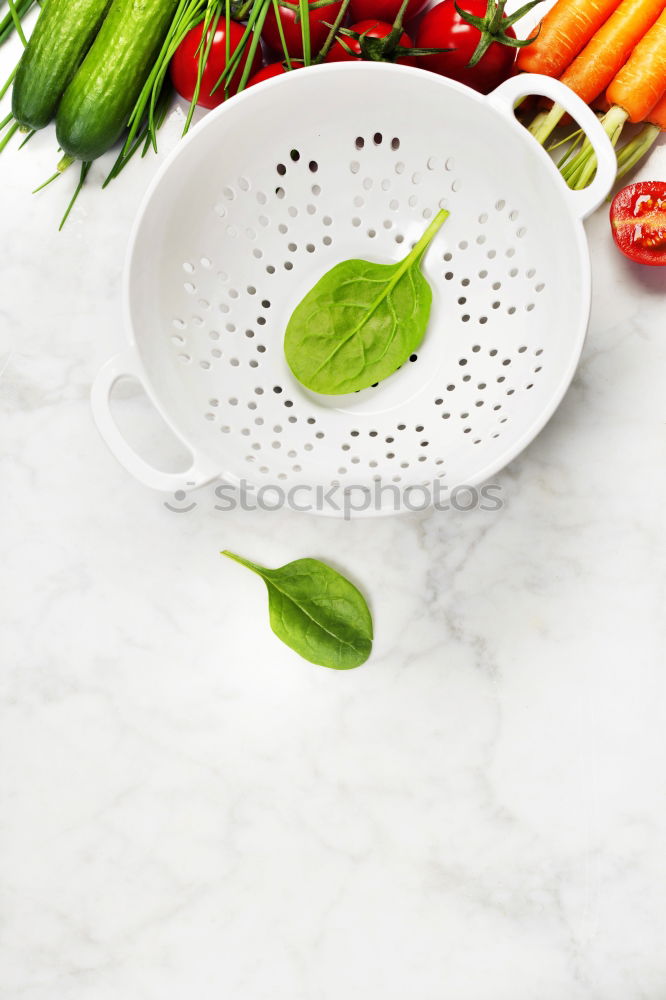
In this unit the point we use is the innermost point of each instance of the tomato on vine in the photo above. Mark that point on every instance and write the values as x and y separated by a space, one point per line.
320 16
481 39
384 10
352 43
184 67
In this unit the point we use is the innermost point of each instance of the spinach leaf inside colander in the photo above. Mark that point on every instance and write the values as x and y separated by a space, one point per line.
361 321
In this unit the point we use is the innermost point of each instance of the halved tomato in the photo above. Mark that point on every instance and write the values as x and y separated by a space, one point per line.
638 222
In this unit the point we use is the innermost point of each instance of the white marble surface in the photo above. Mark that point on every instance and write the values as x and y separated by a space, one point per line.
189 810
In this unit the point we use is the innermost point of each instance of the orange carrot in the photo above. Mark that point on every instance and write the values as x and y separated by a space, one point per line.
608 50
564 31
658 114
642 80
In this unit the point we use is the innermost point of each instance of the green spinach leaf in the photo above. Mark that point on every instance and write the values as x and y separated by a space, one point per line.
361 321
317 612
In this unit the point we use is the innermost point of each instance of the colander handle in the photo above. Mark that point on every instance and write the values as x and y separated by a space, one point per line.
125 365
505 98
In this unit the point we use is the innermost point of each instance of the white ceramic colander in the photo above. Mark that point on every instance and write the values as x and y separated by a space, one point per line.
293 176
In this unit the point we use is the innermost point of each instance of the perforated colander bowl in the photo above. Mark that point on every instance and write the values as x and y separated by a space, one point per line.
296 175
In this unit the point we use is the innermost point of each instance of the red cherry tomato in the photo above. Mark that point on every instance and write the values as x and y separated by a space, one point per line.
185 64
319 19
385 10
442 27
273 69
638 222
267 73
373 29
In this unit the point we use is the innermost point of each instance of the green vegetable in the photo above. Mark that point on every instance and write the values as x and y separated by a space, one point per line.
97 104
61 37
361 321
317 612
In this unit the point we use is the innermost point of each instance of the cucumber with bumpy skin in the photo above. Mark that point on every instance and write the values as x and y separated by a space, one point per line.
97 104
61 37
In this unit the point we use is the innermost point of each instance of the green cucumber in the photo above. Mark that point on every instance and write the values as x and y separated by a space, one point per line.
61 37
97 104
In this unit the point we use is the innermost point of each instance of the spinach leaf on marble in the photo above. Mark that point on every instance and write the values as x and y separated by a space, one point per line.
316 611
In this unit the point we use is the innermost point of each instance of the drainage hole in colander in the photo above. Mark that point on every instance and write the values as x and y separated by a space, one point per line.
511 310
360 142
288 266
279 191
295 155
399 238
311 209
399 167
251 405
261 320
288 403
462 300
465 318
281 169
447 256
510 252
313 166
496 304
372 233
292 247
282 228
467 378
316 190
448 275
327 241
277 388
513 272
216 352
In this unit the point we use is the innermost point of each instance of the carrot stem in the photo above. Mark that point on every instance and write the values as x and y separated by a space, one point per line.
634 151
